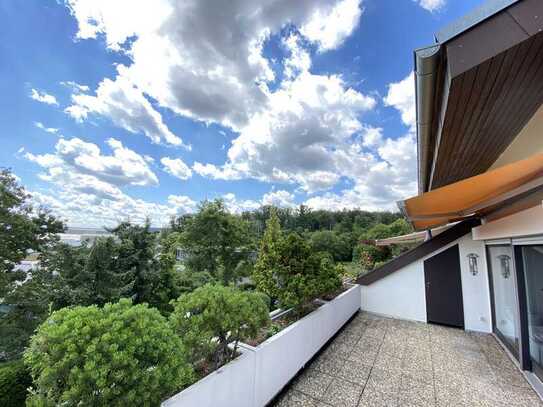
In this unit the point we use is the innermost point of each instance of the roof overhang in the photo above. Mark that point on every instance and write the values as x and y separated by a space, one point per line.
410 238
476 196
476 88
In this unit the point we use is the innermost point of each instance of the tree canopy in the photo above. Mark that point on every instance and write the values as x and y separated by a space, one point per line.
23 229
216 242
116 355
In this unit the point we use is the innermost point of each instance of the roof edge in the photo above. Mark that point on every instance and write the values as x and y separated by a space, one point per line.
488 9
450 235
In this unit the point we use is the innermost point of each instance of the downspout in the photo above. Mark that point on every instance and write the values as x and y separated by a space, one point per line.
426 69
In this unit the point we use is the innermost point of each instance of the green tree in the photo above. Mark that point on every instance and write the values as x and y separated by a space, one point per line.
105 282
213 316
23 229
217 242
68 264
117 355
137 255
14 382
297 273
293 273
267 263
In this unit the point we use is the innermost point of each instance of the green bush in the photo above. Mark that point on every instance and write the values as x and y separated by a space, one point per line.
213 316
14 382
369 255
118 355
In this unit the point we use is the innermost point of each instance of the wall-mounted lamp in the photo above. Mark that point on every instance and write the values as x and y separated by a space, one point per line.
472 261
505 262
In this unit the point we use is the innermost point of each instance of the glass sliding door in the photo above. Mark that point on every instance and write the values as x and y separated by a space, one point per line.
504 296
532 264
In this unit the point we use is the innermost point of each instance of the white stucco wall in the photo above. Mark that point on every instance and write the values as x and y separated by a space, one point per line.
402 294
475 291
399 295
525 223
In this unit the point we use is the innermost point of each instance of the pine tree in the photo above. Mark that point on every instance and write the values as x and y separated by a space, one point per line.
107 283
267 263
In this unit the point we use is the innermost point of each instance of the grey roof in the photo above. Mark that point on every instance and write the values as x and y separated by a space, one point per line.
486 10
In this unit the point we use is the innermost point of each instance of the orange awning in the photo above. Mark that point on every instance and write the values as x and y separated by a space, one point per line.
471 196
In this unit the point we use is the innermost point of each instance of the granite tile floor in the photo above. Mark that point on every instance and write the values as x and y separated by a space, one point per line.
378 362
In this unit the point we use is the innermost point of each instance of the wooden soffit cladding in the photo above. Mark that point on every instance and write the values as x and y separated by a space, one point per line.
492 84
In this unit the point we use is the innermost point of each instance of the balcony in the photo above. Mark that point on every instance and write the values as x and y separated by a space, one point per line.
387 362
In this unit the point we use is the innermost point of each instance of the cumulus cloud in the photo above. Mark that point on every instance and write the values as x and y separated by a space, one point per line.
43 97
41 126
86 185
235 205
202 61
300 137
329 27
281 198
86 209
431 5
126 106
176 167
83 164
401 95
207 63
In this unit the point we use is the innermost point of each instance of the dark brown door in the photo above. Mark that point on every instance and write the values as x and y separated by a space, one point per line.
444 288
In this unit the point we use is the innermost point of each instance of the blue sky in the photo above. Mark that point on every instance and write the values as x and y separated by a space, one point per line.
116 109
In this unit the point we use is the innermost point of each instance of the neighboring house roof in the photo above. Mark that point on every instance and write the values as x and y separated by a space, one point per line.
476 88
419 252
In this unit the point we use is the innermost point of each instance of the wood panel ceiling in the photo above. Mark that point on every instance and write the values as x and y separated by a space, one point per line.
493 86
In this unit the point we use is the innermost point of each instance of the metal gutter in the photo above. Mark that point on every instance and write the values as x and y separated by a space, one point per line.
426 69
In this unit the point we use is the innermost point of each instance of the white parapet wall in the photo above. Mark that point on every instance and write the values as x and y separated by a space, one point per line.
259 374
231 385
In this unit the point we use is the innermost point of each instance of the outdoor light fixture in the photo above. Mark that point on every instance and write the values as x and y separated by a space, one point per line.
505 263
472 260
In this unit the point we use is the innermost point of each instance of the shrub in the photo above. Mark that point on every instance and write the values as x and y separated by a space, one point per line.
368 255
329 277
14 382
213 316
117 355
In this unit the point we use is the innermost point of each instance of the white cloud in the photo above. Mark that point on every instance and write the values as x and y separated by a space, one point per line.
281 198
401 95
86 209
43 97
176 167
86 185
75 87
206 63
83 164
299 59
329 27
199 60
239 205
431 5
126 106
300 137
41 126
382 180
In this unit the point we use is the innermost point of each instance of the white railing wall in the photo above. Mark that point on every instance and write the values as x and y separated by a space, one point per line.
259 374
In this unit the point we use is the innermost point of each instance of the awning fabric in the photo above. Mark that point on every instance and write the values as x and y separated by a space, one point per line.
471 196
415 237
